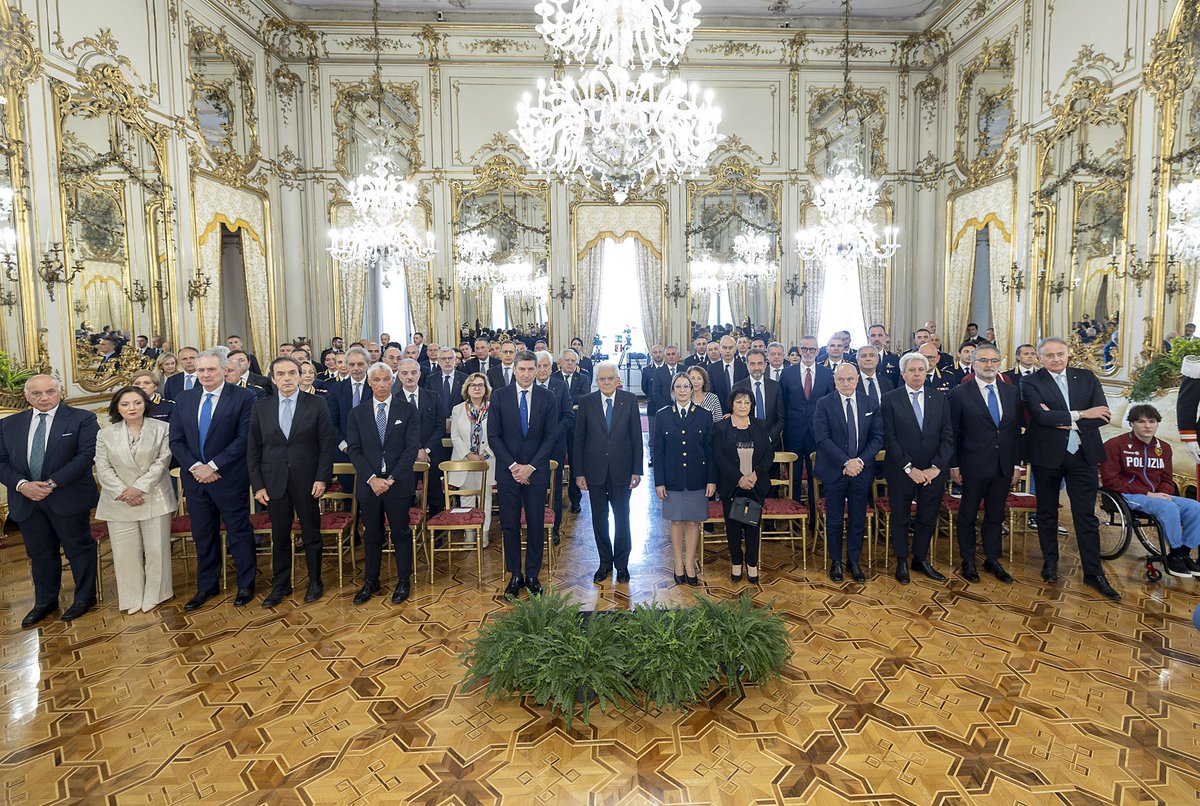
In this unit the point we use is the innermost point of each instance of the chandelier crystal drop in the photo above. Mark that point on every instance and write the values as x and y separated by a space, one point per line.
751 267
1183 234
473 266
518 280
618 32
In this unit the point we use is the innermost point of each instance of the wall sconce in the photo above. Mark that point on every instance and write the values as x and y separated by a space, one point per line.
53 271
80 307
197 288
138 295
442 295
675 293
1014 282
1137 269
9 300
794 288
1060 284
563 293
1174 286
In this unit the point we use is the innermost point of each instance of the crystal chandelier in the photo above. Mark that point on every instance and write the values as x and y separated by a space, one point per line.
382 230
473 266
846 199
751 268
8 235
612 126
518 280
1184 232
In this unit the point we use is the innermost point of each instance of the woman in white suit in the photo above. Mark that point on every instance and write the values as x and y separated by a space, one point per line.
469 434
137 498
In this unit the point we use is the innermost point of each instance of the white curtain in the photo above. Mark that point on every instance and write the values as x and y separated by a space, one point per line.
352 284
417 277
1000 250
992 207
258 298
814 297
650 280
872 282
591 272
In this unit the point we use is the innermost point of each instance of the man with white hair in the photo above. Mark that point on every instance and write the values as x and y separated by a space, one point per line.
46 455
579 383
210 428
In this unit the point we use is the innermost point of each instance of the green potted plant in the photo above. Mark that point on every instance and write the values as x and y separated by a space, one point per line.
669 659
1162 372
12 383
748 643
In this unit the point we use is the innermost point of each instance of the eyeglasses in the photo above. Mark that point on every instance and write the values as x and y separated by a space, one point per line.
476 385
808 349
987 360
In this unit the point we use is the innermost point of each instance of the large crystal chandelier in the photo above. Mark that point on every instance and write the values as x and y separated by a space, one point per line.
1183 235
518 280
751 266
473 266
382 229
612 126
846 235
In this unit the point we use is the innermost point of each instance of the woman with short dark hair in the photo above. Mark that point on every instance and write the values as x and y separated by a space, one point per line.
744 453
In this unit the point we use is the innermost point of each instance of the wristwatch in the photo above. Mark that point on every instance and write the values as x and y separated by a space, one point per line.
51 484
908 468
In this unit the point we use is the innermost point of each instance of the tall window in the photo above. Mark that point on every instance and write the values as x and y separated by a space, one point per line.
620 308
841 303
392 313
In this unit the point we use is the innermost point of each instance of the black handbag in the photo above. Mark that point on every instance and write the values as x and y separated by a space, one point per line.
745 510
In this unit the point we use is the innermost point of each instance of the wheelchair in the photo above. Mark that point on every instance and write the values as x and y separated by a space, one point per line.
1119 525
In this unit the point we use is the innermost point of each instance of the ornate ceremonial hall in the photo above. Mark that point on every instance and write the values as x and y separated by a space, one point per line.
255 201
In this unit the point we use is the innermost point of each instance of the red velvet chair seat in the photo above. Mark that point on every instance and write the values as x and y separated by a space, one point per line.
473 517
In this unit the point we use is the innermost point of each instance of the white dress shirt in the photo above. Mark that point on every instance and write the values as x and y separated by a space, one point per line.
216 398
983 391
32 431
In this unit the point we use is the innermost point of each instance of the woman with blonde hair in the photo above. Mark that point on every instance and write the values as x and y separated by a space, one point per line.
469 435
166 365
149 383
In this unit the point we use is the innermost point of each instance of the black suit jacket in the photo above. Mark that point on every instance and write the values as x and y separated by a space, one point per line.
495 374
435 383
600 455
402 440
504 432
725 439
833 441
929 446
883 384
720 383
580 384
1045 442
173 386
661 386
70 451
429 412
648 373
306 455
981 449
339 396
797 431
566 416
776 414
225 446
259 384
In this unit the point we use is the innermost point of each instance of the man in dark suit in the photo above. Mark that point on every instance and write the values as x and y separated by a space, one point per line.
700 354
963 368
1066 409
210 428
766 394
986 416
579 383
1027 363
803 385
543 375
848 432
871 380
522 430
481 362
448 383
920 445
235 343
46 458
500 374
383 438
428 406
726 374
343 396
608 465
185 379
889 362
247 378
290 459
661 385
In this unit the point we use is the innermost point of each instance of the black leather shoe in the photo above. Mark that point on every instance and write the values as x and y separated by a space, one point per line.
514 586
244 596
694 581
276 596
533 586
856 572
923 565
38 613
400 594
902 572
969 572
601 574
623 577
1097 581
1050 571
835 571
994 568
77 609
314 591
555 539
680 579
368 589
200 598
753 580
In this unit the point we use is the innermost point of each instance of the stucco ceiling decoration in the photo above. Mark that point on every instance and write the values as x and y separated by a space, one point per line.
764 13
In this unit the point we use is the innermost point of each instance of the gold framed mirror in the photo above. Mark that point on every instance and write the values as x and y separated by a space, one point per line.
362 109
986 115
223 103
501 221
116 223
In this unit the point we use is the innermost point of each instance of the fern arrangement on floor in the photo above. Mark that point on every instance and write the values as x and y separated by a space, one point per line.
545 648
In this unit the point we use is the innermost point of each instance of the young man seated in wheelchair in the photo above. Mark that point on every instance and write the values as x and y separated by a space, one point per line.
1138 465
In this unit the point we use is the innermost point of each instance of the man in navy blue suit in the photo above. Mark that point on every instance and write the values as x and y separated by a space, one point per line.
183 380
849 432
803 385
210 427
523 430
566 429
46 458
342 396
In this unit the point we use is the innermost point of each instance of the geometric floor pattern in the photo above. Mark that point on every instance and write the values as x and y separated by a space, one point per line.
923 694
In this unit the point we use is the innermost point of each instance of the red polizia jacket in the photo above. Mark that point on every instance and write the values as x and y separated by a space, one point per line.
1132 466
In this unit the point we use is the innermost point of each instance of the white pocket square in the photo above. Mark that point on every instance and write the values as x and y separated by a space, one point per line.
867 413
398 422
68 433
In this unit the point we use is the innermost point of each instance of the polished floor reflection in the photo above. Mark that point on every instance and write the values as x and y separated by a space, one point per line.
920 694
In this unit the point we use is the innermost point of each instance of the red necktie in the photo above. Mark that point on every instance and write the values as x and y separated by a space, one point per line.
808 384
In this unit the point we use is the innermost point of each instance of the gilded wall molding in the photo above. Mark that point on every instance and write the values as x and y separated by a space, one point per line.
22 60
984 167
867 105
227 163
349 95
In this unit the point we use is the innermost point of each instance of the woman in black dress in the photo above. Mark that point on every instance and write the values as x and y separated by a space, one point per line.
743 454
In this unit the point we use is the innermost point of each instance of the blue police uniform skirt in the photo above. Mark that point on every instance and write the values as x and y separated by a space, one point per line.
685 505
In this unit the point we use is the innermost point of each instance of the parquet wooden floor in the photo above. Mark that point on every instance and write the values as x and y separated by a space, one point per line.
926 694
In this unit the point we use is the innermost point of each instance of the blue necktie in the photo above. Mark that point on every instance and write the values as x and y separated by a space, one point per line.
993 404
1072 435
871 389
758 401
524 412
205 422
188 382
285 417
851 430
608 414
381 421
37 455
916 404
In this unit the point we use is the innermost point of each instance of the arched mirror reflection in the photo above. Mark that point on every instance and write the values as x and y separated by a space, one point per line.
223 103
